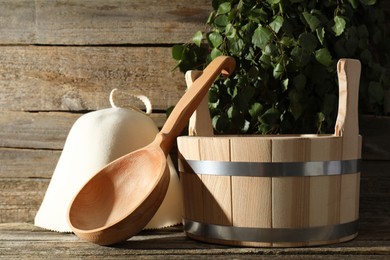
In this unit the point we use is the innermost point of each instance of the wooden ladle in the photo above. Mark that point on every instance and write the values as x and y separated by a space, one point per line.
121 198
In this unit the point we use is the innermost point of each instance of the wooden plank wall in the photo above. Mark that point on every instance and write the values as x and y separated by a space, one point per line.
60 59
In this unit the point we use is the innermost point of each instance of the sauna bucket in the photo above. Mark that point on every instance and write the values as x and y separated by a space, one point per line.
276 191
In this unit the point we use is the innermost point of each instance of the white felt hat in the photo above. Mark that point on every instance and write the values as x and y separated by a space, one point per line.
96 139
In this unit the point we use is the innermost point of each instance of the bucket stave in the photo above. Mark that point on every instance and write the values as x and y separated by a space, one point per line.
276 191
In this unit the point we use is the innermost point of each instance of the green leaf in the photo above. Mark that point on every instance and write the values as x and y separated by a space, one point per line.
221 122
278 70
285 84
258 15
300 57
245 127
311 20
354 3
230 31
273 2
224 8
339 25
255 109
221 21
271 49
324 57
215 39
321 34
307 41
265 61
276 24
213 95
295 104
320 117
215 53
288 41
368 2
270 117
177 52
197 39
261 37
235 46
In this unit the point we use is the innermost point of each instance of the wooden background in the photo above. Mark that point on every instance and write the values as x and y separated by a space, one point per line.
60 59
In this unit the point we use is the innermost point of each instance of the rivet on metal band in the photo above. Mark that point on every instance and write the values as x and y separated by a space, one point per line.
250 234
270 169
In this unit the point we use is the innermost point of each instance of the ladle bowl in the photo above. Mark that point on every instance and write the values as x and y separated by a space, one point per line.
118 201
104 212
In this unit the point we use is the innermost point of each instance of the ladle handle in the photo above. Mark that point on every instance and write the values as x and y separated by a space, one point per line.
191 99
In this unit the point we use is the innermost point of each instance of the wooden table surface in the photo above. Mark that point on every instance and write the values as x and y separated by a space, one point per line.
24 240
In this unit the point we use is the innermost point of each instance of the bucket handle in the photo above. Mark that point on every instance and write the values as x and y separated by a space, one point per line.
348 71
200 121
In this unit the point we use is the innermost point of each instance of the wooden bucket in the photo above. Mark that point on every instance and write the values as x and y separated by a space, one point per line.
276 191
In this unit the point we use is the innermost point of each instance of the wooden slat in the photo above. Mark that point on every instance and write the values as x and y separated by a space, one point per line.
251 196
21 198
92 22
43 130
35 130
325 190
290 195
217 189
191 183
37 78
27 163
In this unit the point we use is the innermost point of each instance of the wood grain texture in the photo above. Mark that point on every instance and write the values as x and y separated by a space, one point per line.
42 78
217 191
35 130
98 22
200 122
325 190
23 240
191 183
21 198
349 77
251 197
290 195
42 130
27 163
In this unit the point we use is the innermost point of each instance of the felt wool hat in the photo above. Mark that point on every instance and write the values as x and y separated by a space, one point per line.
96 139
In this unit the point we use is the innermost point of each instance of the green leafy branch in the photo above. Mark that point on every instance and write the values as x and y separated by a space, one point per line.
286 53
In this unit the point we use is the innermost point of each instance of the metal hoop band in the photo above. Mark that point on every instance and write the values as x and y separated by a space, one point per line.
270 169
250 234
